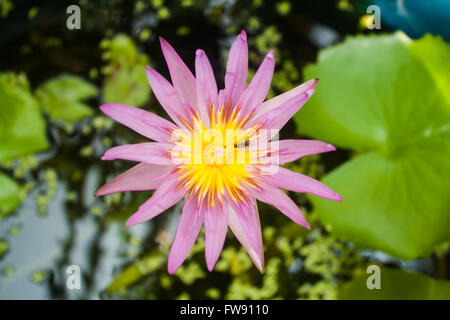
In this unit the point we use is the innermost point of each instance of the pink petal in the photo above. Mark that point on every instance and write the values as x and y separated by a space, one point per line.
290 150
182 78
237 68
277 198
257 90
143 122
164 197
188 228
216 227
167 96
206 86
279 100
140 177
148 152
294 181
243 220
274 120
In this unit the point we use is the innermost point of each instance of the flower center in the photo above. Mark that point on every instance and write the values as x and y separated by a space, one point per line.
213 162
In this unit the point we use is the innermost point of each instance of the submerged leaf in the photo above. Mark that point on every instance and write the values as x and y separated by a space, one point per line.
125 81
61 97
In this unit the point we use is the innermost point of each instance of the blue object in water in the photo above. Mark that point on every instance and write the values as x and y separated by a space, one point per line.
416 17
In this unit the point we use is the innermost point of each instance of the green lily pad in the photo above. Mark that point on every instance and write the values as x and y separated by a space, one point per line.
9 195
62 97
396 285
22 128
125 79
377 98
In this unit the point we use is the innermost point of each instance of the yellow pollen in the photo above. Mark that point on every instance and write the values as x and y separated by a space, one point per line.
212 162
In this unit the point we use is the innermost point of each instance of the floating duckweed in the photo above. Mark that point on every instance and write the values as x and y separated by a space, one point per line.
8 271
101 122
135 241
286 78
72 196
366 20
187 3
284 8
77 175
328 257
270 282
42 202
25 49
24 165
108 123
87 151
269 233
269 39
112 199
183 296
50 175
320 290
190 272
345 5
139 7
213 293
98 122
51 181
86 129
97 211
14 230
32 12
145 34
107 142
231 30
38 277
222 265
254 23
183 31
133 252
93 73
241 288
199 245
163 13
4 247
442 249
5 7
53 42
233 261
257 3
166 281
7 163
69 128
282 243
157 3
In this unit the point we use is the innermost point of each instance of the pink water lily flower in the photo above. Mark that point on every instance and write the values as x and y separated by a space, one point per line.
218 154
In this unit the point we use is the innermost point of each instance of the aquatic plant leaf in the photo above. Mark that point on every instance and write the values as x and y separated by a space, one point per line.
62 97
397 284
377 98
9 195
127 86
434 53
136 271
125 79
22 128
